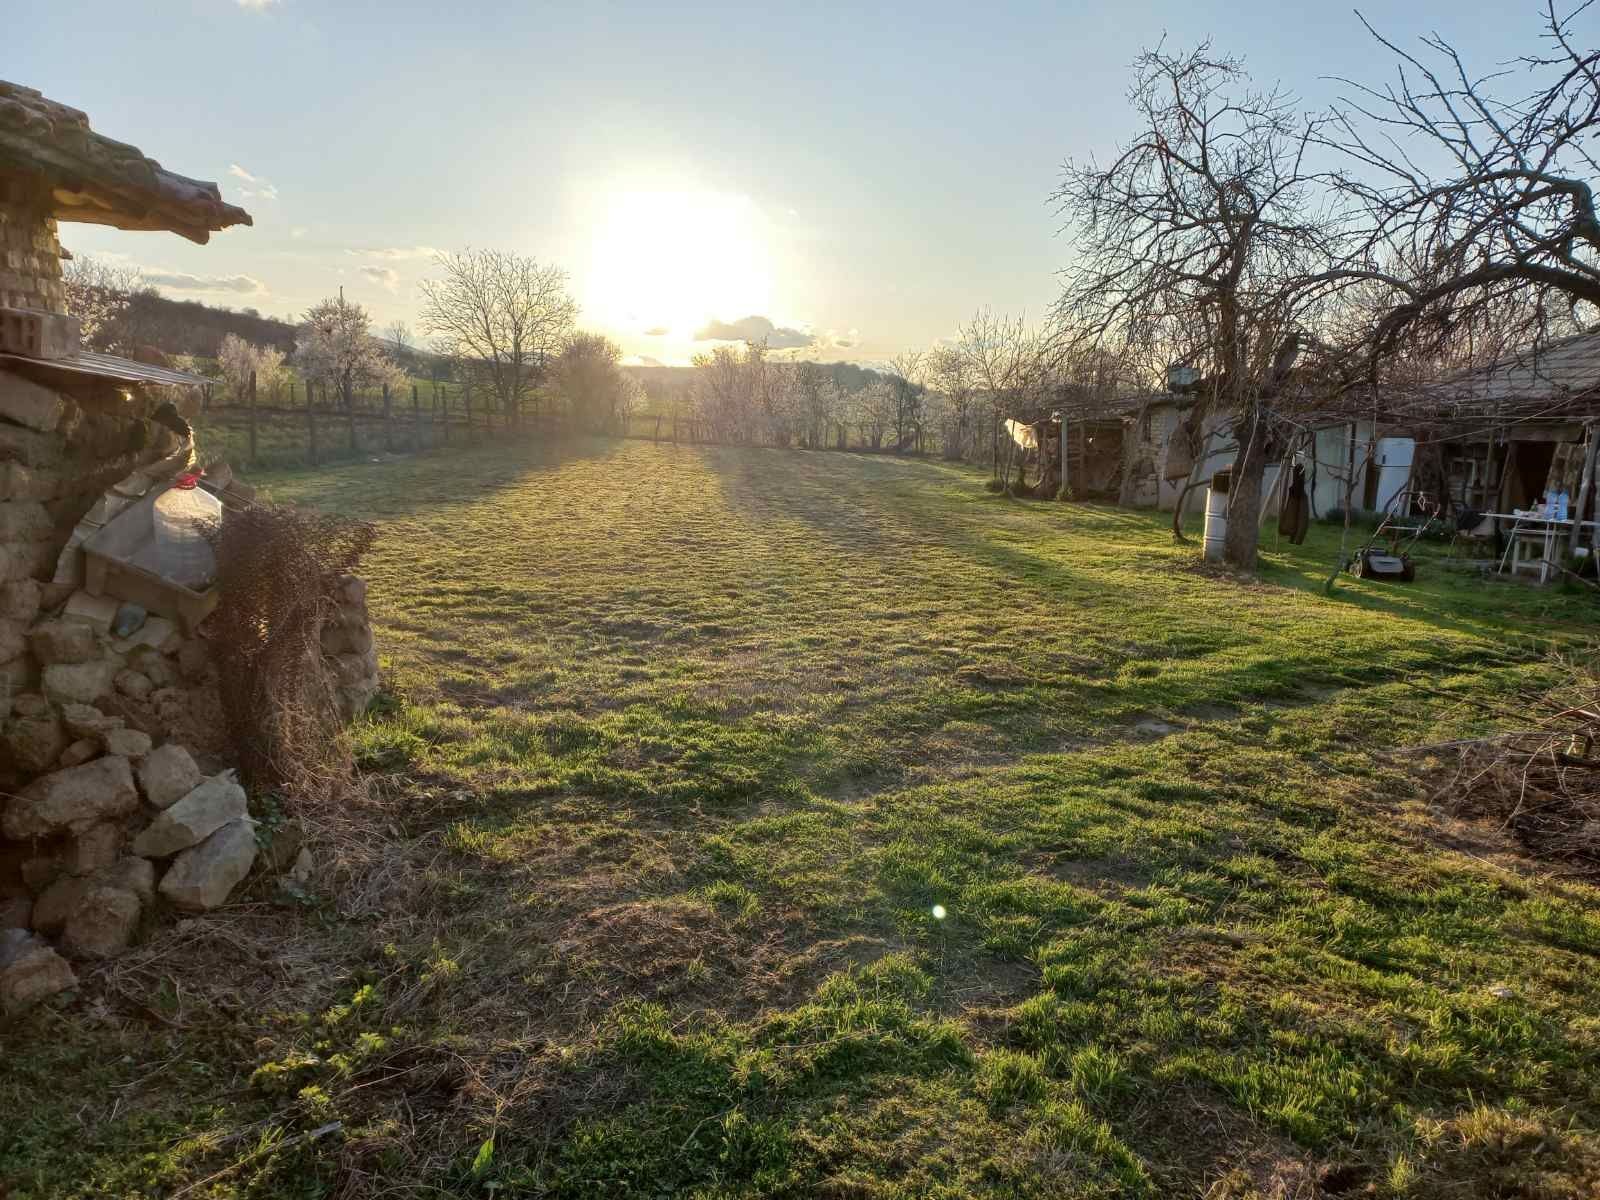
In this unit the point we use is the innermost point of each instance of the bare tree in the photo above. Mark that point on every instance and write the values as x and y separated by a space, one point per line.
1479 205
816 397
875 408
951 376
1009 363
906 371
1201 233
507 314
398 335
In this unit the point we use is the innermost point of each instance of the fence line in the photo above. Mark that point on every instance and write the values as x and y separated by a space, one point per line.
258 434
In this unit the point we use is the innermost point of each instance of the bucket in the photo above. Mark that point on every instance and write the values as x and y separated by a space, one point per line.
1216 515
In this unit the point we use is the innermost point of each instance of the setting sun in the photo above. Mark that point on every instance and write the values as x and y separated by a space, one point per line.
663 261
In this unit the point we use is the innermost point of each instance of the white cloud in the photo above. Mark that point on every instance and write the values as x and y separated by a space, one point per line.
754 329
387 276
257 5
252 186
182 281
657 331
298 232
397 253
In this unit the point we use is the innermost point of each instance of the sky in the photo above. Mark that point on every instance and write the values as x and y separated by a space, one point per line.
848 181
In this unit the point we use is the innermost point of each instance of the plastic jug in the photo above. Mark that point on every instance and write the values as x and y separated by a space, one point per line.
184 515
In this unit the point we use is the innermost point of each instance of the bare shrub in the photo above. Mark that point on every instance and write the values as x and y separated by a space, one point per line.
279 570
1540 782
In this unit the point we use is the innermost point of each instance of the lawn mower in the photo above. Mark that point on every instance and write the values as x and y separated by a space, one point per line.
1386 555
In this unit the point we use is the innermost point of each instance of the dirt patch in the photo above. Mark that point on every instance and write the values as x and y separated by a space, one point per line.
1105 877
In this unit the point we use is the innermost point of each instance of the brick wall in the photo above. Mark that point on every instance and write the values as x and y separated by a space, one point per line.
30 255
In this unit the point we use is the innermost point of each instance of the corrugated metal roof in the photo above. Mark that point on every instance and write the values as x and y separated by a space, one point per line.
109 366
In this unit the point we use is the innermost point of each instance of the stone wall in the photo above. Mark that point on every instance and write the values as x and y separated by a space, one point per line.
30 255
62 445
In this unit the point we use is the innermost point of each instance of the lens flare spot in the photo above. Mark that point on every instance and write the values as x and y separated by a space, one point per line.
938 912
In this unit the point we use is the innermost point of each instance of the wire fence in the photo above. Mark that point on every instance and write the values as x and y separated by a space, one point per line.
321 430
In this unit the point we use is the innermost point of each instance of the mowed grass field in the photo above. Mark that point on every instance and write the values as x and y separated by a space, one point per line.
763 823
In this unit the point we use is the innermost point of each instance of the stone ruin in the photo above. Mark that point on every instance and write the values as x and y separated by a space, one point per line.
116 798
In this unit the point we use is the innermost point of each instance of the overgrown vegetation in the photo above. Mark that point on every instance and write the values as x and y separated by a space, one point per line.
682 748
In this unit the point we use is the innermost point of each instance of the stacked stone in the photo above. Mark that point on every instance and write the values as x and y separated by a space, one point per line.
30 256
97 812
348 650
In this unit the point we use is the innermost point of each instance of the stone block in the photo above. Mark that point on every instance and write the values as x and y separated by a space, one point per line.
78 683
13 639
87 721
167 775
133 684
40 871
130 743
95 849
72 800
25 403
153 665
30 971
21 482
55 904
207 808
132 874
30 447
97 612
79 752
35 739
102 924
19 600
25 521
34 332
202 876
63 641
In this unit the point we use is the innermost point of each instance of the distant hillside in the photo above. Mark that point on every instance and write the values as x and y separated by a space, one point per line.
190 327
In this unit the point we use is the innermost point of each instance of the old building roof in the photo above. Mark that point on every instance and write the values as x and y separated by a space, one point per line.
1560 379
104 182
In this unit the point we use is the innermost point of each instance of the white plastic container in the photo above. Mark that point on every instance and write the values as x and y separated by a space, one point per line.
184 514
1216 531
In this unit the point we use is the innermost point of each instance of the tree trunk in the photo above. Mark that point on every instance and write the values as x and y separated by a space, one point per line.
1244 499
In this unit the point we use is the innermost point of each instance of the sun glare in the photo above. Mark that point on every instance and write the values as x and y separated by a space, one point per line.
664 261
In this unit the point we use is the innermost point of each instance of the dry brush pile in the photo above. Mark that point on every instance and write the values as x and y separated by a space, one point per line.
1539 782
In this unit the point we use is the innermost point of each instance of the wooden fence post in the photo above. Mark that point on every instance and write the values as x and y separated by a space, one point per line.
445 428
388 421
350 416
311 420
466 400
252 403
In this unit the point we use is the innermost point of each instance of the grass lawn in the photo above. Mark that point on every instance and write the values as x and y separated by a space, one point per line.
773 823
